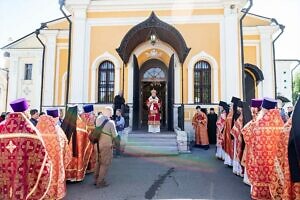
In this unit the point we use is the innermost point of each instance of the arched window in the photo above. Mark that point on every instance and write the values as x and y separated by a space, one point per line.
106 82
202 82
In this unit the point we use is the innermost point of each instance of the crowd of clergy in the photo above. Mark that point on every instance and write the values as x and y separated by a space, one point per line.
260 147
39 153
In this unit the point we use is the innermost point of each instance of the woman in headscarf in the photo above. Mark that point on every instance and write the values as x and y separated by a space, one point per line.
76 131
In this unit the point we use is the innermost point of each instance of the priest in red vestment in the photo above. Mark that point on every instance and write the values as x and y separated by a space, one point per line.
199 123
255 108
88 116
224 110
57 147
239 144
154 105
79 143
261 137
26 169
228 141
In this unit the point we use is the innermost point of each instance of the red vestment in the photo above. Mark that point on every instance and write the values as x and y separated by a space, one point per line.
153 114
236 133
281 186
57 147
228 144
200 125
90 119
220 126
261 137
25 166
77 167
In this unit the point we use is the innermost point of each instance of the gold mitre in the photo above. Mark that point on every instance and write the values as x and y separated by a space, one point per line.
153 91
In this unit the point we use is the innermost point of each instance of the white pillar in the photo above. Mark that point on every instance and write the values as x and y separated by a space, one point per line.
130 80
49 70
232 61
77 75
13 78
268 84
36 78
177 79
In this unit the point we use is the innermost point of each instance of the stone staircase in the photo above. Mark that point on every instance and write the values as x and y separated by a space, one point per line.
148 144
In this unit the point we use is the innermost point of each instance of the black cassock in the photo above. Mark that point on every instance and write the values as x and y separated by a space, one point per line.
212 127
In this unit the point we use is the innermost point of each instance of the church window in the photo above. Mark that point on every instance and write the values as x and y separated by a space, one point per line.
106 82
154 74
28 72
202 82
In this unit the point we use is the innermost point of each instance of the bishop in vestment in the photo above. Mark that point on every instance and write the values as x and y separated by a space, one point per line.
261 137
154 105
26 169
57 147
199 123
76 131
88 116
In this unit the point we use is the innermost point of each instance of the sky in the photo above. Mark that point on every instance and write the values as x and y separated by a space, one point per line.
20 17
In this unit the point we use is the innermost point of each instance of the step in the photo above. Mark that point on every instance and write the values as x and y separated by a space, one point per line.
151 143
152 136
151 151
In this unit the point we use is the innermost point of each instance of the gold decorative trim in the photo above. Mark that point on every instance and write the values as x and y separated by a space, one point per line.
20 135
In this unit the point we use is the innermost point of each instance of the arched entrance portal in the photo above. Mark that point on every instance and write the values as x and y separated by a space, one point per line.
153 75
253 76
142 33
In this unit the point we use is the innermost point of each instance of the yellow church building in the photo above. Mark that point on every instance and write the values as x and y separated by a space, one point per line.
188 50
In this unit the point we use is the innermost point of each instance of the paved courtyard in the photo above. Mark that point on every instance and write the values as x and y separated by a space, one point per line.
191 176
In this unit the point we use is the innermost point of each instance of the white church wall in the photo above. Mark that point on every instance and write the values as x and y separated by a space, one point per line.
284 78
18 86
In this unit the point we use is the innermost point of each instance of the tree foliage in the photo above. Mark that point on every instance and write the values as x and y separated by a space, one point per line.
296 87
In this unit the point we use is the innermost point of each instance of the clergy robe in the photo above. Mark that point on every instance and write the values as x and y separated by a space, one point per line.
77 167
153 114
199 123
282 186
228 143
245 152
57 147
212 127
238 146
22 147
220 135
90 119
261 138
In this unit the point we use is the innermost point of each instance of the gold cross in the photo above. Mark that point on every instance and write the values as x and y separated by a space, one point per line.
11 147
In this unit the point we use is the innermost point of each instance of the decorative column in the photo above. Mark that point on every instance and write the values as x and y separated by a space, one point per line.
77 72
232 60
177 79
49 70
268 84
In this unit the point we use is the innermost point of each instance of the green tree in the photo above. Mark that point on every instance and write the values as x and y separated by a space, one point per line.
296 87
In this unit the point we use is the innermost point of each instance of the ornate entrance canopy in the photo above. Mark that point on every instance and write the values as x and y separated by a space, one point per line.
141 32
